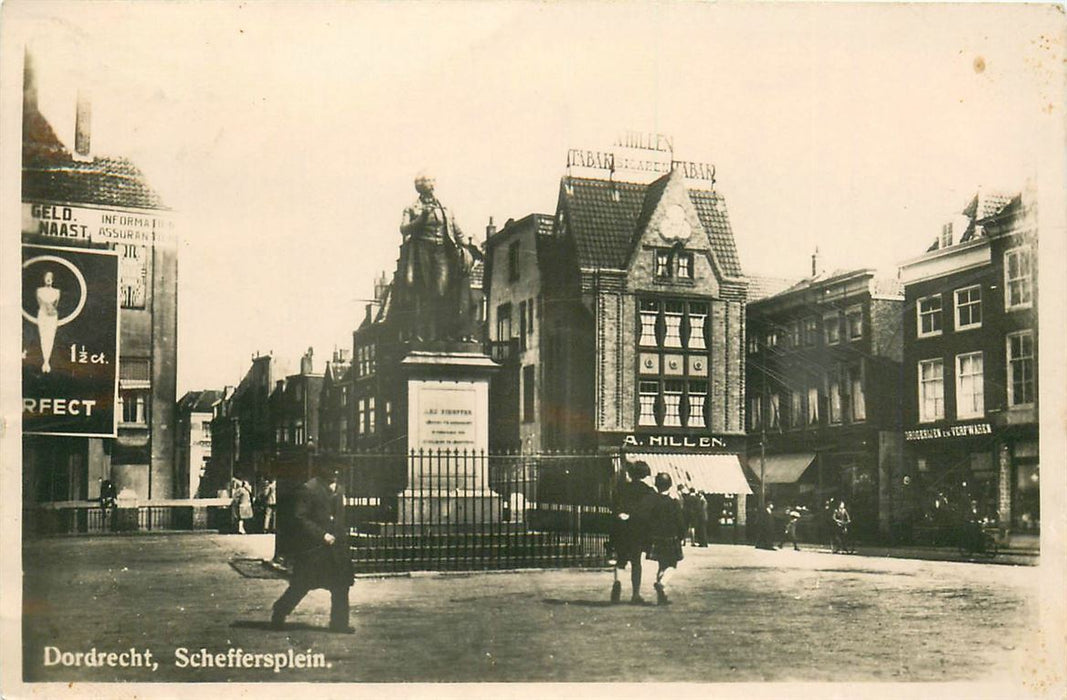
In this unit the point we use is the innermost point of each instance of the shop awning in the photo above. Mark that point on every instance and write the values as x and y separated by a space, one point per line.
707 473
782 469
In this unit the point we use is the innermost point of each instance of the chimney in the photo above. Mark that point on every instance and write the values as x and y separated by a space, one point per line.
83 126
306 363
490 228
380 285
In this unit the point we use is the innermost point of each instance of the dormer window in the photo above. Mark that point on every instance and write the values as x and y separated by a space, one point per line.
674 263
685 266
663 264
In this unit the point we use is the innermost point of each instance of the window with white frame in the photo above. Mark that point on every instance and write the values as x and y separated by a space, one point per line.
968 308
388 414
796 409
698 396
663 264
854 322
813 403
755 413
970 396
794 334
1018 291
772 339
685 266
811 331
649 315
298 433
672 322
753 344
931 390
858 401
833 394
1020 368
773 412
648 392
361 412
371 416
929 315
133 407
698 318
672 403
831 328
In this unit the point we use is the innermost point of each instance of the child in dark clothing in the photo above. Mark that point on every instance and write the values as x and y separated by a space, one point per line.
667 528
629 536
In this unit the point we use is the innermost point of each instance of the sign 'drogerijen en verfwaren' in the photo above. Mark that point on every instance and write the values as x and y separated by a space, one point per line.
70 317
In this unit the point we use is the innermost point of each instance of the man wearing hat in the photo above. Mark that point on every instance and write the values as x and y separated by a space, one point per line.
321 558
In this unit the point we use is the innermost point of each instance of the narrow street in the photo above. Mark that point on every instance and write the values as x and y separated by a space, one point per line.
737 614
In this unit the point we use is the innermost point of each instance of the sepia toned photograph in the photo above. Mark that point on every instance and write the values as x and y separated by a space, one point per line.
408 344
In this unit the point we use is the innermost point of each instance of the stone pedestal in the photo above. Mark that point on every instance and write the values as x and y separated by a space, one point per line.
448 438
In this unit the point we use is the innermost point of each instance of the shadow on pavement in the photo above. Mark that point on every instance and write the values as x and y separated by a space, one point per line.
264 625
581 603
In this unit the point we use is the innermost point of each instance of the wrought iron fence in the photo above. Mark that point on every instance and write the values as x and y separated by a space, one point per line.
455 510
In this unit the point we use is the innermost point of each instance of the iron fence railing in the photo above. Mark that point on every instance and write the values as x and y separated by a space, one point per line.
456 510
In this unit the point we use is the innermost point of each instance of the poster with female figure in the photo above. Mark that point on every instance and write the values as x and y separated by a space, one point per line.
70 319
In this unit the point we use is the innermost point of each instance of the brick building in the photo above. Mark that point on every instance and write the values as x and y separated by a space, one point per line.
75 198
633 326
335 411
294 417
970 368
823 393
196 410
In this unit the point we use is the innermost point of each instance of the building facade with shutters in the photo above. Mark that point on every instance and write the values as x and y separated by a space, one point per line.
823 394
75 198
970 369
634 307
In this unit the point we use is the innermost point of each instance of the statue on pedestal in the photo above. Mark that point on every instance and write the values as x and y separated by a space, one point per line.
435 267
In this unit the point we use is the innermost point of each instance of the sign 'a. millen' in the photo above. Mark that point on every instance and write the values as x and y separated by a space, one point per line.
70 332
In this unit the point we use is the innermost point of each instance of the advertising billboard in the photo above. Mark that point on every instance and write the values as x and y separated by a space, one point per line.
70 323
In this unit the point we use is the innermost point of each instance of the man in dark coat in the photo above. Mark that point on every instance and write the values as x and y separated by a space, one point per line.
321 558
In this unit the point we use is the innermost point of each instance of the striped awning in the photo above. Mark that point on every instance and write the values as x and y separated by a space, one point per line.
704 472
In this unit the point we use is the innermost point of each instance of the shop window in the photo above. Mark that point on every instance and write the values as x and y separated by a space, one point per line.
1017 279
528 393
854 322
968 308
1020 368
929 315
970 397
931 390
831 329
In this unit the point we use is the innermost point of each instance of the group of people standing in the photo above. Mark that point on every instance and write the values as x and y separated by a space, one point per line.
771 529
647 521
251 513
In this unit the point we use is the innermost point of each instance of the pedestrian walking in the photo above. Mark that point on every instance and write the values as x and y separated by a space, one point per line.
270 505
842 522
241 505
792 517
701 510
629 536
321 557
666 532
765 528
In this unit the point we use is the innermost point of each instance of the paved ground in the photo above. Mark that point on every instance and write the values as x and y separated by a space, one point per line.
739 614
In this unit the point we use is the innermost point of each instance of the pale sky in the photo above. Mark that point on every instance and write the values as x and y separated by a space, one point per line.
286 136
